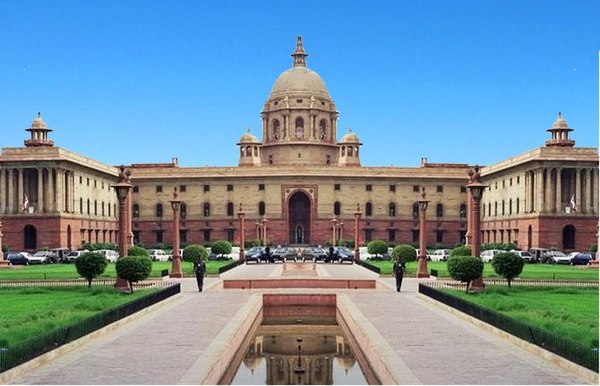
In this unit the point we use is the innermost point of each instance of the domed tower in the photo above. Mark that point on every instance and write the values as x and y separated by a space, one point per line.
349 147
560 133
249 150
39 133
299 118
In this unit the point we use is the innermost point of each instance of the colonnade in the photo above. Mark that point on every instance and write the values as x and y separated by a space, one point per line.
552 190
43 189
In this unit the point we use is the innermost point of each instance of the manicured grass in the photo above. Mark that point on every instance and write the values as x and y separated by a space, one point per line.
68 271
569 312
530 271
33 311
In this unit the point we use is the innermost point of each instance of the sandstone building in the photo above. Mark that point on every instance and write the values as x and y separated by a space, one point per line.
296 181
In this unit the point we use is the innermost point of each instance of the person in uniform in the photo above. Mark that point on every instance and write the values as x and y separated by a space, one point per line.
399 273
200 269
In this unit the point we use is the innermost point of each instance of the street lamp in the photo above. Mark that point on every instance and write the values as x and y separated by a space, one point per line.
176 262
476 188
357 215
264 229
422 267
241 216
341 230
334 231
122 188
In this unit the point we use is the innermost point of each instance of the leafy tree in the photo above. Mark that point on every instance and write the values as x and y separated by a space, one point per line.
191 253
346 243
221 247
405 253
137 251
461 251
593 248
5 248
90 265
97 246
377 247
251 243
465 268
134 268
508 265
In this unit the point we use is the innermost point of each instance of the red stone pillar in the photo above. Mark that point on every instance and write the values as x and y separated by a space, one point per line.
357 216
476 189
241 215
176 270
334 231
422 258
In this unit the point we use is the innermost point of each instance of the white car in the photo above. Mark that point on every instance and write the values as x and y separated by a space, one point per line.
42 257
558 257
488 255
526 256
158 255
110 255
440 255
72 256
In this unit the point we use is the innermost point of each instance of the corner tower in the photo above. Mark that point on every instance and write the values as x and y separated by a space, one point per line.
299 118
39 133
560 133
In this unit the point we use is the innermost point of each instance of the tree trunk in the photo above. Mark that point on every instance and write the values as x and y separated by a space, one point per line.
467 290
89 283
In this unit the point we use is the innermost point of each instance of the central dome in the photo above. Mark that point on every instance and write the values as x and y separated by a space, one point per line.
300 80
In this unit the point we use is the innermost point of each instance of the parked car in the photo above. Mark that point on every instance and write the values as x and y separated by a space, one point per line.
539 255
61 254
439 255
315 254
280 254
158 255
523 255
256 255
488 255
556 257
344 254
582 258
18 258
110 255
42 257
73 255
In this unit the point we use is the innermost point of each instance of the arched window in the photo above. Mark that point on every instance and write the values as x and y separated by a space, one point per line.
496 208
206 209
159 210
299 128
463 210
336 208
81 205
517 205
415 210
261 208
248 151
343 151
439 210
276 132
510 206
102 208
183 210
88 206
368 209
503 208
95 208
230 208
322 129
30 237
136 210
349 151
392 209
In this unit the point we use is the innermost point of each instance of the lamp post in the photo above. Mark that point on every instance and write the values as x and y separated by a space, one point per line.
422 267
241 215
357 215
264 229
176 263
469 212
122 188
341 230
334 222
476 188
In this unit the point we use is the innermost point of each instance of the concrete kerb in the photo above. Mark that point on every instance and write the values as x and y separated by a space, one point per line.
574 368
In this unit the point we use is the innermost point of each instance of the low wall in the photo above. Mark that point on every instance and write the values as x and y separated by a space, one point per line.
298 283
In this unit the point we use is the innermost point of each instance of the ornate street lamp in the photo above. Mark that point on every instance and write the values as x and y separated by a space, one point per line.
357 215
122 188
476 188
334 231
241 215
176 263
264 229
422 267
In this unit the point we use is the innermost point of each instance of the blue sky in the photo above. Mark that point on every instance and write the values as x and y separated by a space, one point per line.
145 81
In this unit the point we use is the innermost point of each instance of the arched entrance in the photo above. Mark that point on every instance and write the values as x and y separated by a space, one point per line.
299 218
69 236
529 237
29 237
568 236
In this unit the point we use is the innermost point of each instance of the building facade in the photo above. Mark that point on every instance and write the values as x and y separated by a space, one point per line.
295 183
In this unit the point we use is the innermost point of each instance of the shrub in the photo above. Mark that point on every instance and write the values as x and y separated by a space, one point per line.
346 243
377 247
90 265
251 243
133 268
593 248
98 246
191 253
501 246
465 268
405 253
221 247
5 248
461 251
508 265
137 251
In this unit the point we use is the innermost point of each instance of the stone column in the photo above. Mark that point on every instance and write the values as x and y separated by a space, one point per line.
539 190
558 203
578 190
548 191
60 187
11 189
51 196
2 190
40 190
588 191
595 200
20 193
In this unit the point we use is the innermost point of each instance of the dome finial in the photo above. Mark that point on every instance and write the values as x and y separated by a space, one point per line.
299 55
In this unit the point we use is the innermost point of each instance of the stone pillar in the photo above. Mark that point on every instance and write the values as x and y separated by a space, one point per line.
10 174
2 190
20 192
577 190
286 126
51 196
547 191
40 191
60 187
595 200
558 203
539 190
588 191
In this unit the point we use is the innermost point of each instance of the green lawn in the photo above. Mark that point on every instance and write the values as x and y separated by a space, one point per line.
33 311
530 271
566 311
68 271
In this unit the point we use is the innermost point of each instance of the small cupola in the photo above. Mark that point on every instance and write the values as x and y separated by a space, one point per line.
249 149
39 133
349 147
560 133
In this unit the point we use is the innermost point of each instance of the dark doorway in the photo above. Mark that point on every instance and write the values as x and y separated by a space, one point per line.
529 237
30 237
568 237
299 218
69 236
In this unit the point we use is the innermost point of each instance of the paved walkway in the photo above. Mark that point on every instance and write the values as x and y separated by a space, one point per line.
175 342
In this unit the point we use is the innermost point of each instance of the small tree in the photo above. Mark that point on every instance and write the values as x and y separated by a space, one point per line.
461 251
508 265
465 268
90 265
137 251
134 268
221 247
405 253
377 247
191 253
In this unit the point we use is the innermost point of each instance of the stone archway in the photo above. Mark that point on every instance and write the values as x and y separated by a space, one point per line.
29 237
299 207
568 237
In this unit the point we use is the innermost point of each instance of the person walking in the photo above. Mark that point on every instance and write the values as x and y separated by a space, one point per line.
200 269
399 273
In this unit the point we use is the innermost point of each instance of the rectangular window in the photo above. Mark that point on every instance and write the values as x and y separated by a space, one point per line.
159 237
415 188
230 235
182 188
136 189
369 187
261 186
207 235
336 187
392 188
439 237
440 189
207 188
518 179
391 236
183 236
230 188
136 237
463 189
368 235
415 235
158 188
80 179
88 182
